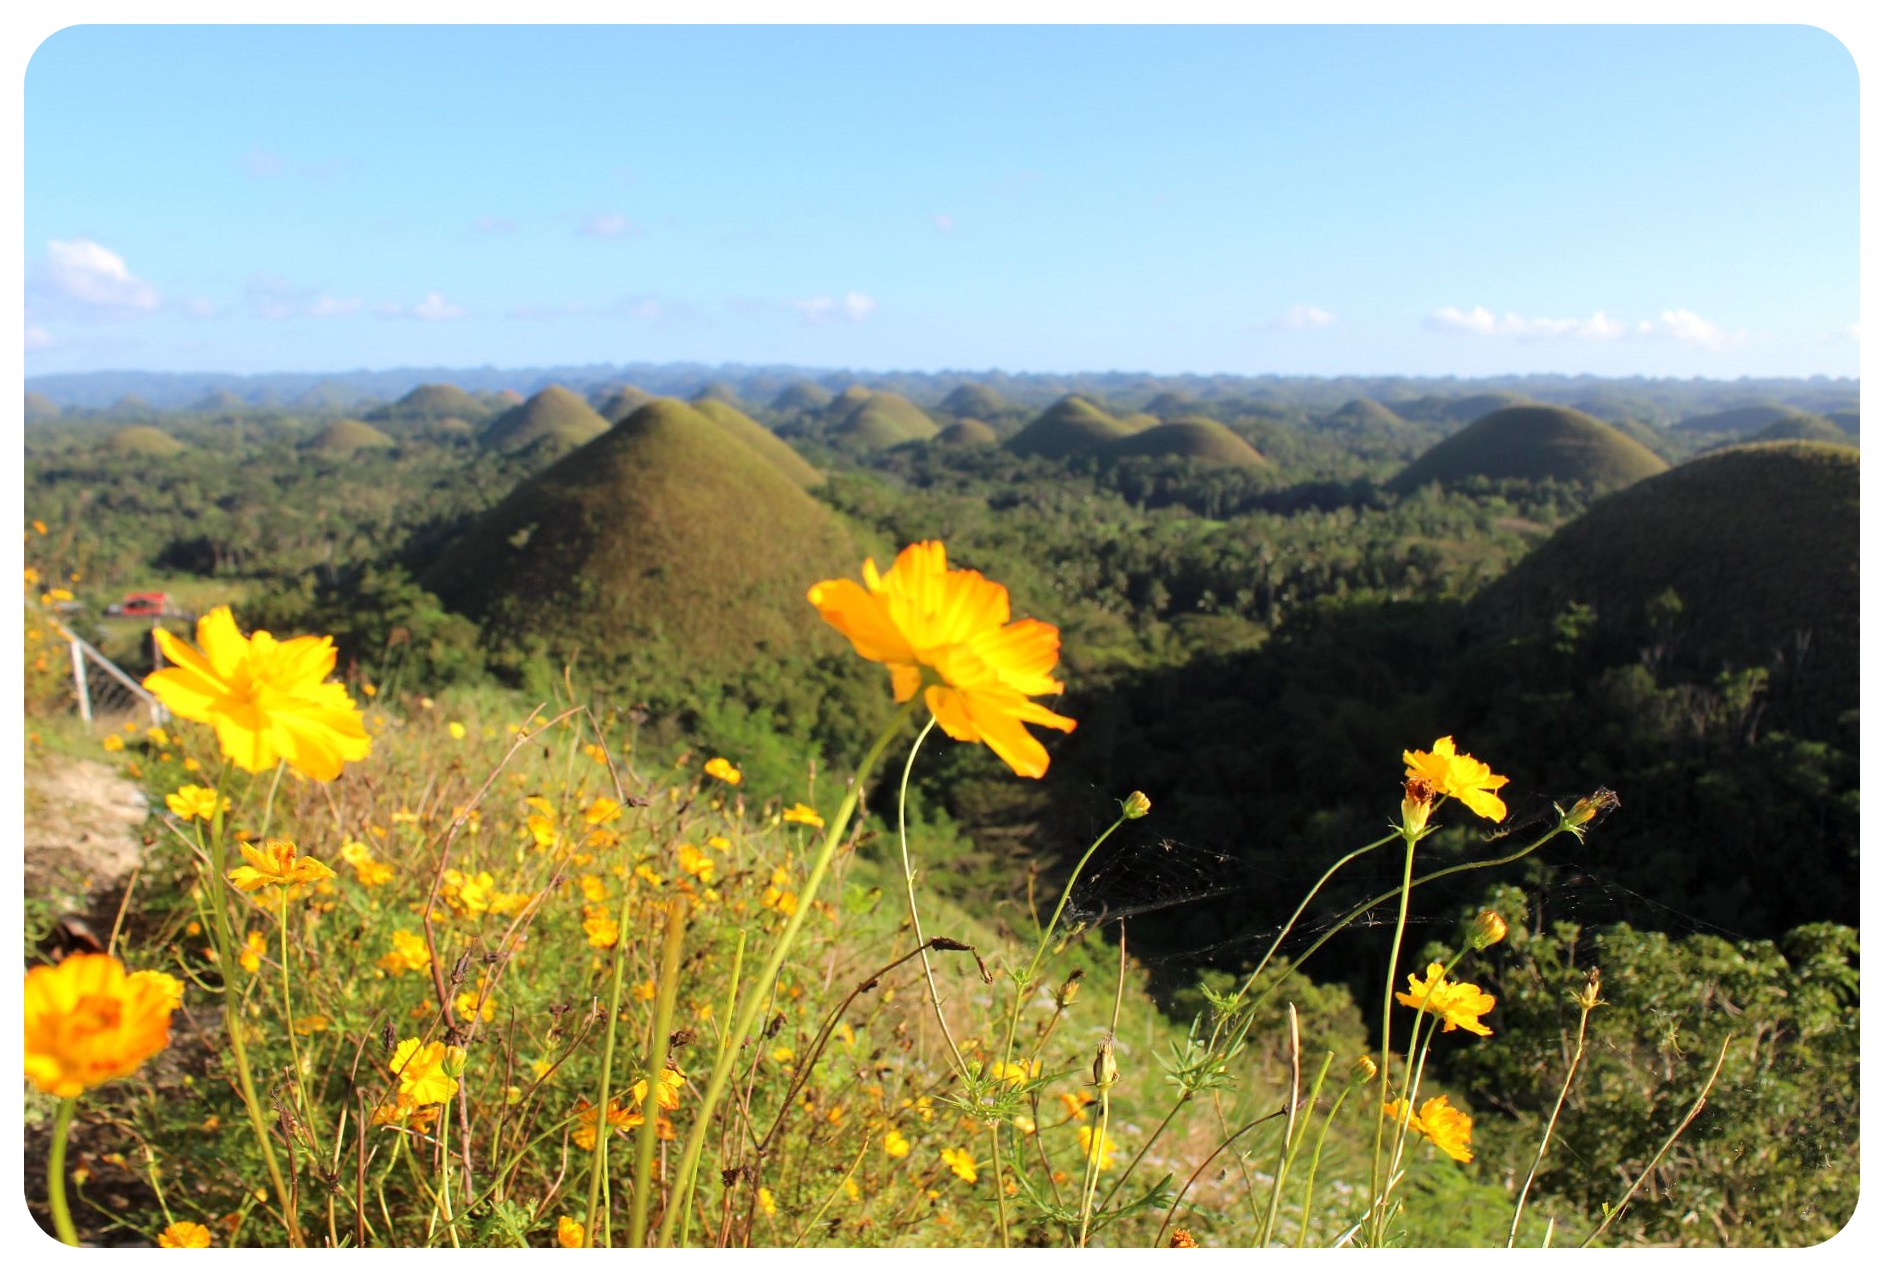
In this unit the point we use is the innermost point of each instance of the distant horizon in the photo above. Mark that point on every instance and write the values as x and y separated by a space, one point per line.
1669 202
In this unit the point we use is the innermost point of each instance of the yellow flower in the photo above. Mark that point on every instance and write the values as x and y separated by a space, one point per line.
172 987
595 752
157 735
1013 1072
184 1236
962 1162
895 1143
946 633
193 803
267 699
602 930
113 743
721 767
645 991
408 954
1487 929
1092 1144
467 1002
667 1090
39 527
366 868
776 898
1460 1004
1467 780
804 815
87 1022
620 1118
767 1203
1448 1128
1181 1239
696 863
603 811
1075 1103
426 1072
468 895
254 945
456 730
275 864
569 1234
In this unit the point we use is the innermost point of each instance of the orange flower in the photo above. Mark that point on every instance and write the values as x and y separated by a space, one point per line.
88 1022
946 634
569 1233
194 802
1467 780
275 864
267 699
804 815
1448 1128
721 767
1458 1003
184 1236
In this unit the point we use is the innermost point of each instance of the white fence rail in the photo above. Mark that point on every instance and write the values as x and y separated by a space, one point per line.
100 686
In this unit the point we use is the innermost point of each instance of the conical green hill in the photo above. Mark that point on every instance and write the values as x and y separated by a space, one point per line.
621 402
40 407
431 402
776 451
142 439
1070 426
663 542
1196 438
968 433
802 395
131 406
1173 404
1364 415
973 401
343 437
1740 419
718 391
1534 443
554 417
1759 542
452 426
1804 428
877 420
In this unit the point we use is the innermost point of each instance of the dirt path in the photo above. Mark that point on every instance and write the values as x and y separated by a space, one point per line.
82 829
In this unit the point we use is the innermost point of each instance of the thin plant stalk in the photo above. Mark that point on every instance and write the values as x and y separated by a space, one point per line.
668 990
1291 1138
1587 1005
287 1019
1374 1195
915 919
1700 1102
55 1172
598 1165
684 1184
1105 1074
768 976
1314 1164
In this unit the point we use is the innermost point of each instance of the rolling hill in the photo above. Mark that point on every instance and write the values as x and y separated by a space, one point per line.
1071 426
1204 440
554 418
1534 443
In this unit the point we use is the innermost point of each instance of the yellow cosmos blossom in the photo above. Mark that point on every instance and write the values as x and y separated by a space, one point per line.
467 1003
184 1236
895 1143
456 730
569 1234
767 1203
962 1163
721 767
468 895
1448 1128
254 946
88 1022
1458 1003
194 803
595 752
157 735
645 991
370 871
804 815
1465 779
776 898
1075 1103
603 811
1013 1072
276 864
621 1119
696 863
170 986
667 1090
1093 1144
602 930
946 633
267 699
427 1072
593 887
408 954
112 742
1181 1239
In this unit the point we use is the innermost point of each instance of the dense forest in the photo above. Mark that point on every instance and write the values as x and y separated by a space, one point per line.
1267 588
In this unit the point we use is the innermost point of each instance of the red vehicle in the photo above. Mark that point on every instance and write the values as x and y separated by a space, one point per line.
141 605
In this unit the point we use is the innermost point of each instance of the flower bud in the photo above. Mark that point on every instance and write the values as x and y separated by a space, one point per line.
1590 997
1487 930
1070 990
1600 803
1135 805
1364 1070
1416 805
1105 1069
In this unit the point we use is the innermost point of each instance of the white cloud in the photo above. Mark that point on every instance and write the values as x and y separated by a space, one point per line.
495 225
38 338
1305 318
435 308
609 225
944 222
89 278
851 307
334 306
275 298
1683 326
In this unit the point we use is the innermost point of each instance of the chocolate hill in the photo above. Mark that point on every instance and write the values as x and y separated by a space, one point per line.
1196 438
1071 426
555 419
1534 443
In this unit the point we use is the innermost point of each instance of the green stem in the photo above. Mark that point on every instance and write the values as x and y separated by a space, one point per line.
1314 1164
657 1067
55 1172
598 1164
287 1019
915 918
1588 1005
768 977
1374 1198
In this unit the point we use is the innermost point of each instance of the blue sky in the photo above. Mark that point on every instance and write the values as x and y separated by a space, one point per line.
1613 200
